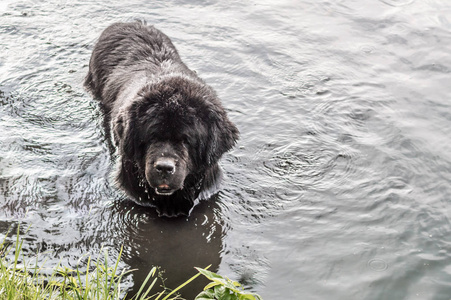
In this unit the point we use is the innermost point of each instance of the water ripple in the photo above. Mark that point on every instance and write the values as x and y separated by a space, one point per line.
397 3
311 166
344 114
377 265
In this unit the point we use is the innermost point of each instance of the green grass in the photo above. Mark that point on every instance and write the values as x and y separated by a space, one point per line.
21 279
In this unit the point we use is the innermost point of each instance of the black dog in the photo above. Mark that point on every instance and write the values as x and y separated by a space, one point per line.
169 127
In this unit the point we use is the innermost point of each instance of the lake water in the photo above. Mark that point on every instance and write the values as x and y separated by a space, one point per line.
339 187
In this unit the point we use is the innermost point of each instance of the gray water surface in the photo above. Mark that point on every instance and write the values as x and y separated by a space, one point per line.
339 188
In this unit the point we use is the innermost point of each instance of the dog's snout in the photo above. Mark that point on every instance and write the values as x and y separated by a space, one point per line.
165 165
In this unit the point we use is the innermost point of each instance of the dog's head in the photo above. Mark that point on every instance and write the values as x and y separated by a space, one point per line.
172 129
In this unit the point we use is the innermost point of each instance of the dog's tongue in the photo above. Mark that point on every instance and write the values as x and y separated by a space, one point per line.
163 189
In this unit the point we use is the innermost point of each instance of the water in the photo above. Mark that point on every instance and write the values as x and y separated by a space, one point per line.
339 187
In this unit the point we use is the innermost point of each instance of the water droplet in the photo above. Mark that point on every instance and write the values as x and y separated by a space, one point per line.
377 265
367 49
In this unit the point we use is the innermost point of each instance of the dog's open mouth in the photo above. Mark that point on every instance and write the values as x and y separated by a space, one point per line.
164 190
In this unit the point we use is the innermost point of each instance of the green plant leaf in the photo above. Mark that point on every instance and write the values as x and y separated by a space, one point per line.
223 293
219 279
210 285
247 297
222 288
206 295
210 275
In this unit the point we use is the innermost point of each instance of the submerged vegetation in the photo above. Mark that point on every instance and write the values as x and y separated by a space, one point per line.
22 280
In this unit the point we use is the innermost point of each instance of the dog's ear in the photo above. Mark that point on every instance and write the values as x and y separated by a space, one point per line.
118 125
124 138
131 141
223 136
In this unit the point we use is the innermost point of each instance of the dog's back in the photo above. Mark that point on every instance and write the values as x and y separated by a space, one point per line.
131 46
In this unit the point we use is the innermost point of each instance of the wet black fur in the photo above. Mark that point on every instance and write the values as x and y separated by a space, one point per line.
151 99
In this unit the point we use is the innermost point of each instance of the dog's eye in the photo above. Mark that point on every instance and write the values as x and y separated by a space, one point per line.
185 141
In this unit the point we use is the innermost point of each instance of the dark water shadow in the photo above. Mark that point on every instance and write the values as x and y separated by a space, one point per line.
177 245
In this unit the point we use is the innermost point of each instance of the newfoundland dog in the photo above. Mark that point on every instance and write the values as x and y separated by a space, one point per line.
168 126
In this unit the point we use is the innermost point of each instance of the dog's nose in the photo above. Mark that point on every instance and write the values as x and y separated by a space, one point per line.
165 165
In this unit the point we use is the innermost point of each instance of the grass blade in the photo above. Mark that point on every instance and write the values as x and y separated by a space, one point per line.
151 274
182 285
